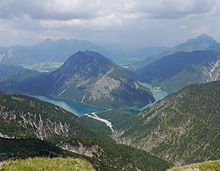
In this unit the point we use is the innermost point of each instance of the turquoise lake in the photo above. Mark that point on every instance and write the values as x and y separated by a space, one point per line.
158 94
77 108
80 109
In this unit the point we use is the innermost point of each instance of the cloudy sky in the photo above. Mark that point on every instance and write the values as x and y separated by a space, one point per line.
129 23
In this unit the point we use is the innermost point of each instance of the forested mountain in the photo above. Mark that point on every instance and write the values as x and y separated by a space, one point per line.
176 71
27 118
12 75
182 128
89 77
203 42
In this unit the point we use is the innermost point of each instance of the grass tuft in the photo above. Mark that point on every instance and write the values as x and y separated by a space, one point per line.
46 164
205 166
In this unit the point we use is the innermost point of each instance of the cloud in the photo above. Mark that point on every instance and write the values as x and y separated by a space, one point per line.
48 9
116 20
169 9
97 23
87 9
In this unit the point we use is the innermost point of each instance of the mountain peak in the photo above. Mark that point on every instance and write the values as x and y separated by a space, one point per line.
202 42
88 52
202 38
87 56
203 35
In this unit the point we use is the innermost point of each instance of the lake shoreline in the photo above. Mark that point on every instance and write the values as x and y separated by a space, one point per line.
77 108
157 92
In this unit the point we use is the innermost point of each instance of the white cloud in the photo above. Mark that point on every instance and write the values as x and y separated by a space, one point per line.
86 9
174 8
98 23
124 19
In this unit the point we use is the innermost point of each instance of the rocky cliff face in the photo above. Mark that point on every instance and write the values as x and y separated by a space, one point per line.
27 117
41 128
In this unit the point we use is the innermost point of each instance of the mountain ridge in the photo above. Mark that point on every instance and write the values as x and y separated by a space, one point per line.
91 78
176 71
182 128
70 134
201 42
52 50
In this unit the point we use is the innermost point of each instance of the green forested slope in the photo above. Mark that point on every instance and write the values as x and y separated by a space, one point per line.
26 117
182 128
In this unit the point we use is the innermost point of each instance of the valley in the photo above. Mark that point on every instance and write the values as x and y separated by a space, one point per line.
98 85
94 116
23 117
152 115
80 108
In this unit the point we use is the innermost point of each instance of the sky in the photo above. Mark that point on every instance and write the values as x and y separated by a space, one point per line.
127 23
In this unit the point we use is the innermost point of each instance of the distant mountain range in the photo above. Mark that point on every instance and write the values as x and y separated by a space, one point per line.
142 57
53 51
12 75
89 77
202 42
58 51
196 61
182 128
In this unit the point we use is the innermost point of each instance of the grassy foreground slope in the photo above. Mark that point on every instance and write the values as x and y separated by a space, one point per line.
205 166
25 148
45 164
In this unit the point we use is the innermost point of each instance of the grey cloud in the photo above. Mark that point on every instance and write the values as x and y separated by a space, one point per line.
171 9
86 9
128 22
39 9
